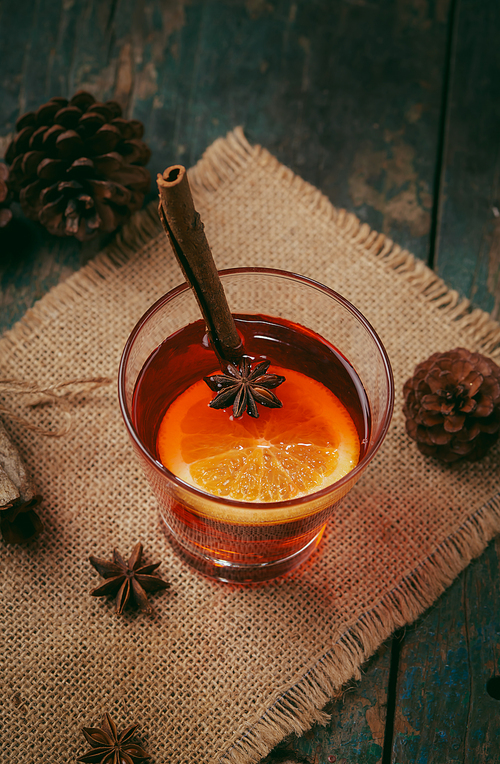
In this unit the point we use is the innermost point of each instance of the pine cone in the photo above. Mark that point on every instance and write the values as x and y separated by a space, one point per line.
5 196
76 166
452 405
20 523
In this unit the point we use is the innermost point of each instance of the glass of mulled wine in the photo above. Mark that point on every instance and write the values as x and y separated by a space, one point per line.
247 499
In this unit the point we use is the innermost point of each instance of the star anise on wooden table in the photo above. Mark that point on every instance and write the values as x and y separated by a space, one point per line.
129 581
109 747
244 387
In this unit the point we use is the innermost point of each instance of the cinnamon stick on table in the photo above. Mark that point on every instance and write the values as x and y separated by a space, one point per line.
186 233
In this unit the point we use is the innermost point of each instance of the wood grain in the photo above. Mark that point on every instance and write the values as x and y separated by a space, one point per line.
468 247
444 712
355 733
346 93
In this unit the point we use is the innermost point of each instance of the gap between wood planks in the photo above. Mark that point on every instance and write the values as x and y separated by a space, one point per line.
451 36
391 696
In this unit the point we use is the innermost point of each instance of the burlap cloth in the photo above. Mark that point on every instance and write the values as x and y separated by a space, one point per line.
221 673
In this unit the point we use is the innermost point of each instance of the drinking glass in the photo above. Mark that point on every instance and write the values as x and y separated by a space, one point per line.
249 542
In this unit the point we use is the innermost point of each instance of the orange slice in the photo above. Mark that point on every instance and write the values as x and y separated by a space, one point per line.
294 451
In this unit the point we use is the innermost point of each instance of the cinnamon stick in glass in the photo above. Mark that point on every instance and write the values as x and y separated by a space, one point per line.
186 233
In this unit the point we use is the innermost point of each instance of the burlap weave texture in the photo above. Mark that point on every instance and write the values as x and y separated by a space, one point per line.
220 673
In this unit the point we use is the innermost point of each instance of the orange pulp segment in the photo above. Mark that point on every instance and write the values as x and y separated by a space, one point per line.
299 449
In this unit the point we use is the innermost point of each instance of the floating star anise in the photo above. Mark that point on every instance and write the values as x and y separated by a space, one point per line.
108 747
244 387
128 580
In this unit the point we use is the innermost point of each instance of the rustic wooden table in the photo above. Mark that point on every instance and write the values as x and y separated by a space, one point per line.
392 108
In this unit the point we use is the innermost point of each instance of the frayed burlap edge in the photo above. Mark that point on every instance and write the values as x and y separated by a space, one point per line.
219 164
302 704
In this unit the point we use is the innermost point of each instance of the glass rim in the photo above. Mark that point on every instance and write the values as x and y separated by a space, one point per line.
253 506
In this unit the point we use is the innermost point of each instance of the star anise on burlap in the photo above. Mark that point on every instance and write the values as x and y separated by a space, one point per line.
452 405
77 166
129 581
244 387
109 747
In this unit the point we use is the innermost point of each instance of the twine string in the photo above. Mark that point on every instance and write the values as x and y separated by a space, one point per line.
63 394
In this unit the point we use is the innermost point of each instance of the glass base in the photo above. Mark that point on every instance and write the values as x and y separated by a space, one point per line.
230 572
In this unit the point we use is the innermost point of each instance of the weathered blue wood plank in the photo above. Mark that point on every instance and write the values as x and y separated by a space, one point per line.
346 93
444 712
355 733
468 254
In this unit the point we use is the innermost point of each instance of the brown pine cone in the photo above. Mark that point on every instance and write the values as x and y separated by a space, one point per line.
452 405
5 196
76 166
